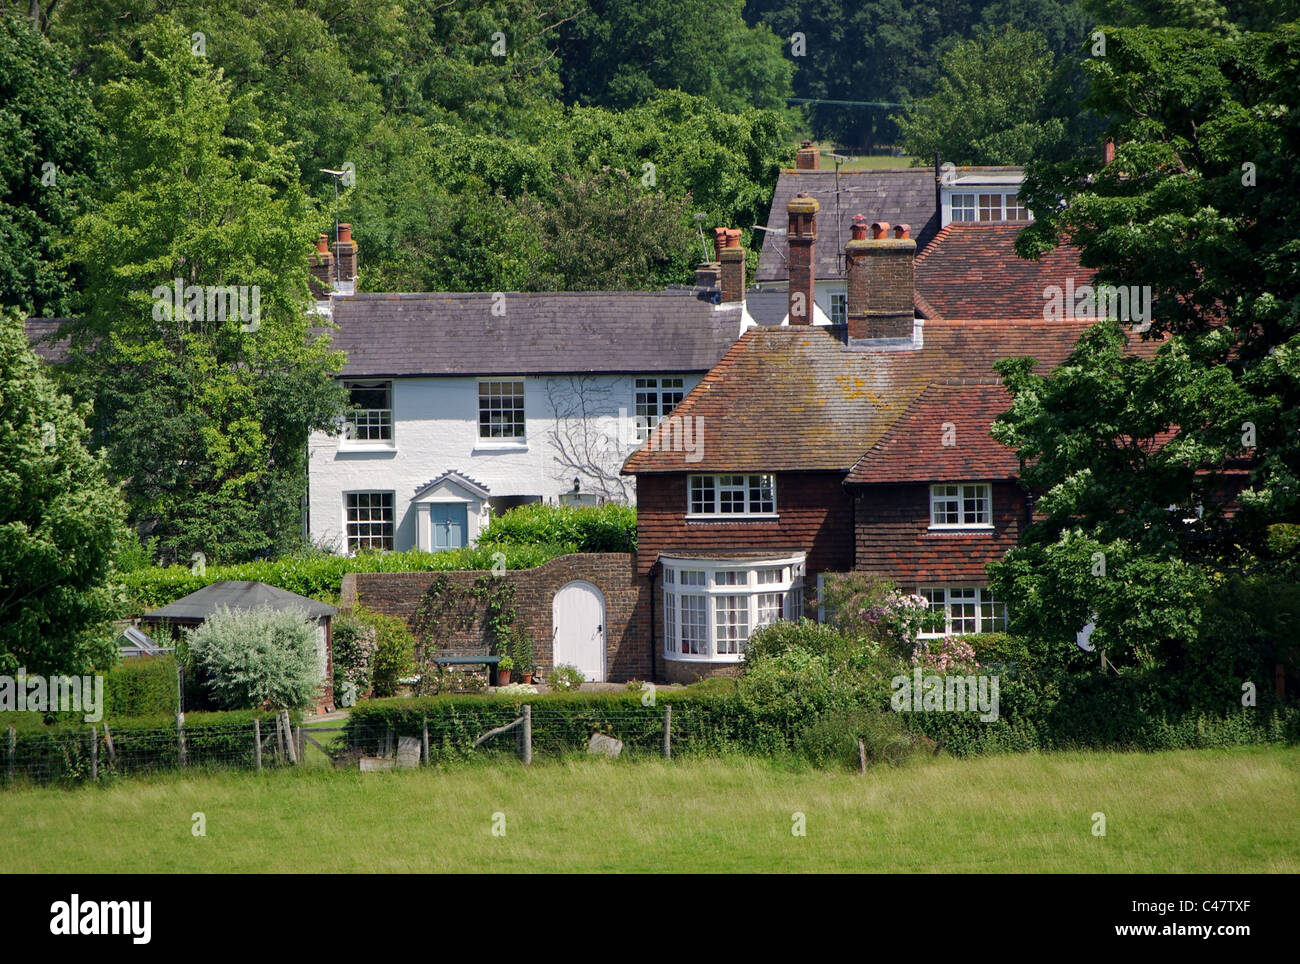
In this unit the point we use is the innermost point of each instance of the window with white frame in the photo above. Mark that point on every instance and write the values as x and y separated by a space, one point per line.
370 411
501 410
369 520
655 400
712 606
839 308
1013 209
962 207
731 495
962 610
961 506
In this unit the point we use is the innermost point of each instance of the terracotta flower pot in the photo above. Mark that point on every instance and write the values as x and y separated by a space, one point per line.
528 679
503 677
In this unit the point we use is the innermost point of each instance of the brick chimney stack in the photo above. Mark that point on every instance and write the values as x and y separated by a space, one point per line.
320 263
732 257
802 239
708 274
880 275
807 157
345 256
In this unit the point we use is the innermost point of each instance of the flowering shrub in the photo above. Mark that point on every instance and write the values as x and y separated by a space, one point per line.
355 644
948 653
867 607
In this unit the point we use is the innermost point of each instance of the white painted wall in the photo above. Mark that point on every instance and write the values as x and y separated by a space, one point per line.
435 428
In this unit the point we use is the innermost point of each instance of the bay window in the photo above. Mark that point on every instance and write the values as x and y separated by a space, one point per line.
711 606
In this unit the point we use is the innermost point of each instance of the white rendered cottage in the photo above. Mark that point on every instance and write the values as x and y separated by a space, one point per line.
465 404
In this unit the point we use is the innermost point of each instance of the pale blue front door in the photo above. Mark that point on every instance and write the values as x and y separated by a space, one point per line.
448 525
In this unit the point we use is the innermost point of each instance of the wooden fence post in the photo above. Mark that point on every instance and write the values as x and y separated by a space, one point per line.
290 738
180 739
94 753
528 734
13 751
108 742
424 746
257 743
668 732
862 757
279 739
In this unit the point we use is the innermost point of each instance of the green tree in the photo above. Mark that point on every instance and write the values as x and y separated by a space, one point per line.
1159 473
606 231
47 158
205 414
621 53
61 522
990 104
286 56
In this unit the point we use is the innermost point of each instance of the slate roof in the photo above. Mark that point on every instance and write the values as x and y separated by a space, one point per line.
799 399
897 195
970 270
447 333
202 603
767 307
943 437
40 334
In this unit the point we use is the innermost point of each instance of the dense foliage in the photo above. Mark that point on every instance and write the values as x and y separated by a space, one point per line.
604 528
61 522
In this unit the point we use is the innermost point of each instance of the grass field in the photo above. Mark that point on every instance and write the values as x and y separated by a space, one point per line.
1208 810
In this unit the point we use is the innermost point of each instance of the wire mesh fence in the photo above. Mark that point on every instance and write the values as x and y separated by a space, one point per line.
489 730
100 752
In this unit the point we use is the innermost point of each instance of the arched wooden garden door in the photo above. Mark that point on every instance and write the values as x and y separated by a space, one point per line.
578 629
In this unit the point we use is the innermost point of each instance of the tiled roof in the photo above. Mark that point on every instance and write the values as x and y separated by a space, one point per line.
459 477
899 196
799 399
970 270
943 437
444 333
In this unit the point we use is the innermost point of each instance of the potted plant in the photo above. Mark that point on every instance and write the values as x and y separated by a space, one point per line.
503 670
521 649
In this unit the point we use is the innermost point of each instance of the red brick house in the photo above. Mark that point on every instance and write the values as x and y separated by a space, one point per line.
865 446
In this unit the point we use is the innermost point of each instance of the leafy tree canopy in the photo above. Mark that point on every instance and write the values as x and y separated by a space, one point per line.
61 522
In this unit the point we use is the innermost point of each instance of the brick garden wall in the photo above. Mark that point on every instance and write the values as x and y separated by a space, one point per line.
627 620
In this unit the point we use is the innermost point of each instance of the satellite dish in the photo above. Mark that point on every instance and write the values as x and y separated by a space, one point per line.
1082 637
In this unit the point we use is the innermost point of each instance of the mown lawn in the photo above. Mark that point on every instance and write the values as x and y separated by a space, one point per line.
1208 810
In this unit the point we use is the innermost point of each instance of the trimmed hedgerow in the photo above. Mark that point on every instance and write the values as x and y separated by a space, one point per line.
321 576
142 686
597 528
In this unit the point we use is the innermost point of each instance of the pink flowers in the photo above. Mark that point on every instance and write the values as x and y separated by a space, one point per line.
948 653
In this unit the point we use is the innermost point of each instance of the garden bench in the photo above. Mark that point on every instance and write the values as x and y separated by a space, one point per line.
480 660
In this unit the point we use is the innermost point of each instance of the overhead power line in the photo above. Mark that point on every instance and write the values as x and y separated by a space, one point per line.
842 103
